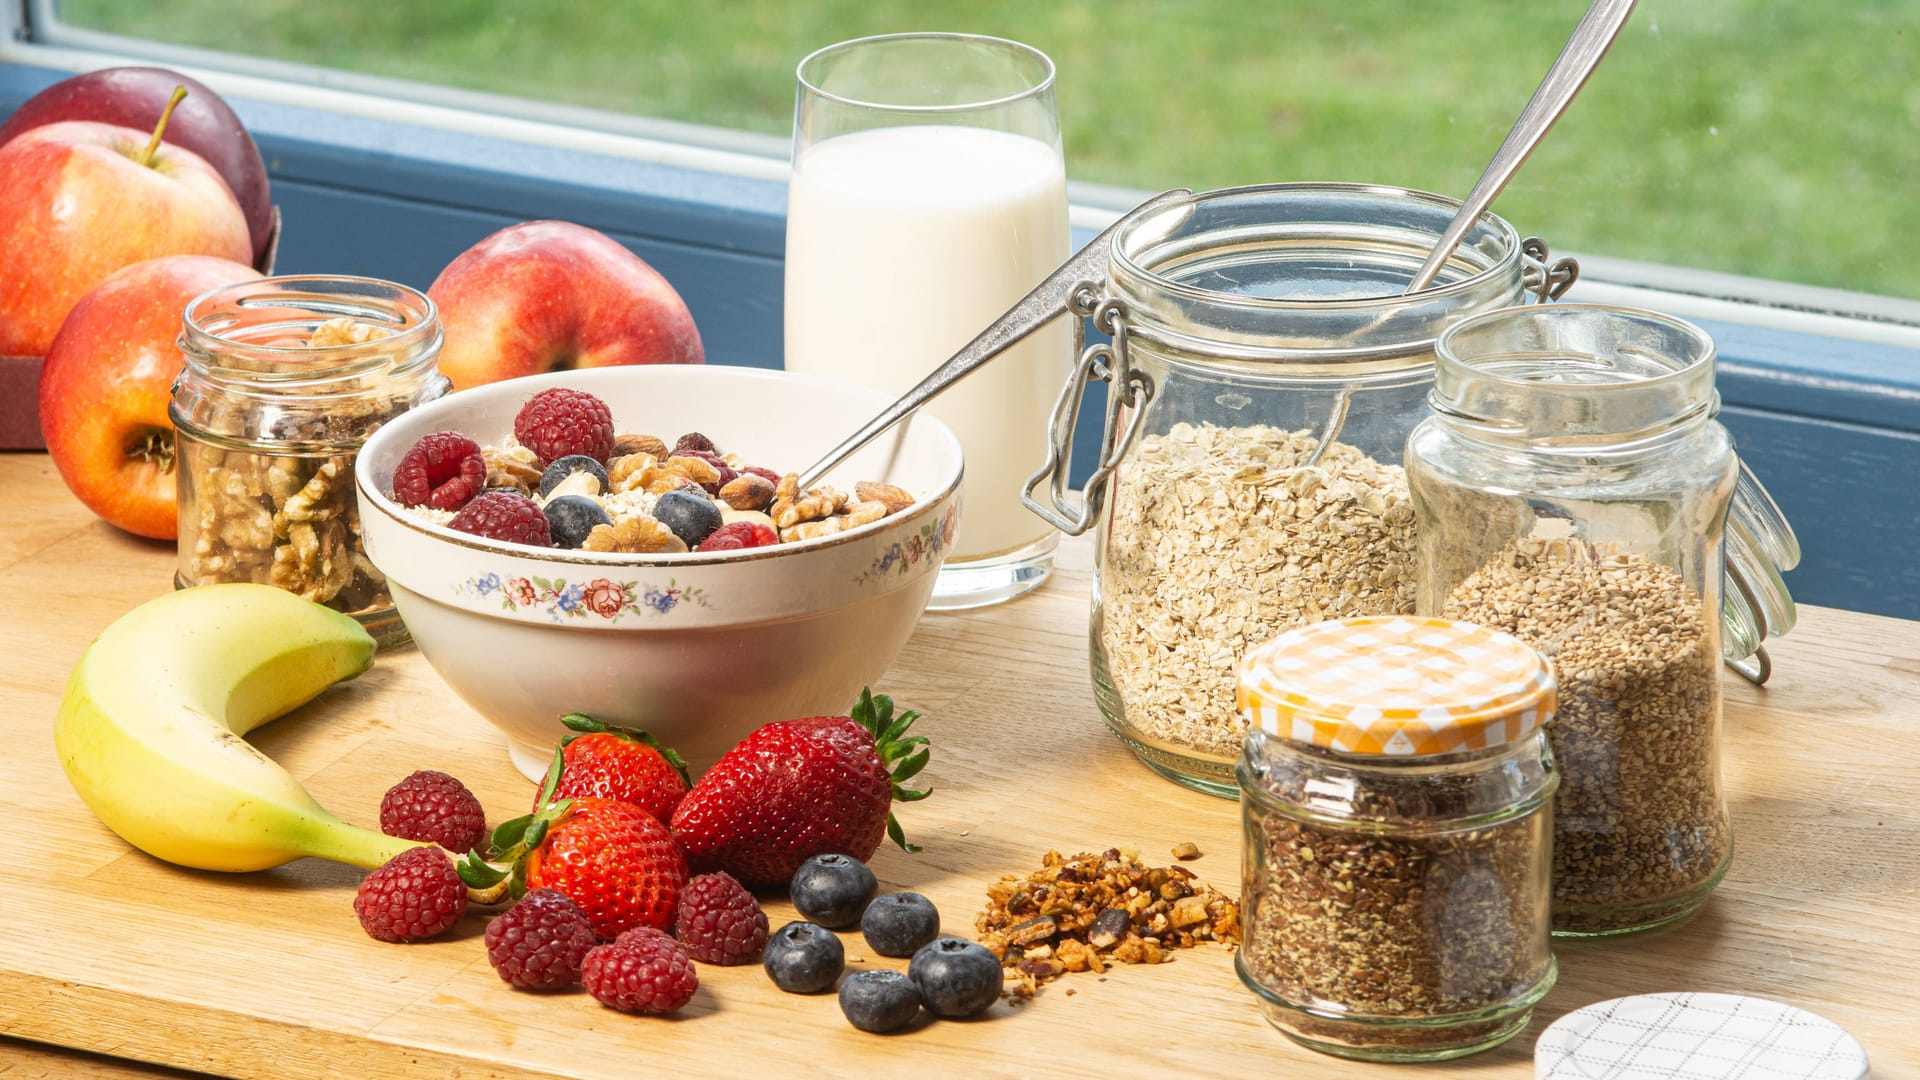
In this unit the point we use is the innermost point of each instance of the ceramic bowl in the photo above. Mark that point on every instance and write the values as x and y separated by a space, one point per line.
697 648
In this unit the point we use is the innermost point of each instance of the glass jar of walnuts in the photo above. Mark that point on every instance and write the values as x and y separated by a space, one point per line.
285 378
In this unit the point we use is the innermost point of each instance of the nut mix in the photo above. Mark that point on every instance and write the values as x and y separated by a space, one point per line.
1639 827
642 487
1220 539
1084 912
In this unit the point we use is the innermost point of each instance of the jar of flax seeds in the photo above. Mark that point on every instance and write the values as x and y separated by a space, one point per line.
1396 795
1574 490
285 378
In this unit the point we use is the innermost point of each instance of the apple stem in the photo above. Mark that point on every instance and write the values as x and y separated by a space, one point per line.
160 129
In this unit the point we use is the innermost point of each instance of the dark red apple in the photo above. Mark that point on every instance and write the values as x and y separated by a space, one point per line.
107 381
543 295
82 200
135 97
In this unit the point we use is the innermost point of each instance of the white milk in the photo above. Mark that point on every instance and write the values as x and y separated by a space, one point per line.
903 243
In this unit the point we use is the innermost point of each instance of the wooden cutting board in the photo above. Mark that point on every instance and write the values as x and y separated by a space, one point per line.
268 975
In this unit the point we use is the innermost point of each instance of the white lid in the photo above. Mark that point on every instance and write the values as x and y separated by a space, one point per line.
1696 1037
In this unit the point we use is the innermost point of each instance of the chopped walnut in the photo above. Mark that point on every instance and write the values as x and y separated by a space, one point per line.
630 472
1084 912
637 535
791 507
345 331
513 466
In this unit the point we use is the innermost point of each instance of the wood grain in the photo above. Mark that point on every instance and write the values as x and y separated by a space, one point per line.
106 950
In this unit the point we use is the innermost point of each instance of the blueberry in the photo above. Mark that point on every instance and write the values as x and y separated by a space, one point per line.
879 1001
563 468
571 517
898 923
956 977
832 890
803 958
692 517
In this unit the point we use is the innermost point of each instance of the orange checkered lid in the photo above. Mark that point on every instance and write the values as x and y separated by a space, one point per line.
1398 686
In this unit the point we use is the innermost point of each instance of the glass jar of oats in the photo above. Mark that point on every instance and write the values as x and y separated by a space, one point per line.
285 377
1396 801
1572 488
1252 325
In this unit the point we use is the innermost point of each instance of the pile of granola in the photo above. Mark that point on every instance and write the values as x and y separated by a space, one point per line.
1086 911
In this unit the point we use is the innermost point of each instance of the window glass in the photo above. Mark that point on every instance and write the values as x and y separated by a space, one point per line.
1750 136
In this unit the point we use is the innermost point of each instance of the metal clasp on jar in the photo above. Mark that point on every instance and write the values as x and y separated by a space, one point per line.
1129 388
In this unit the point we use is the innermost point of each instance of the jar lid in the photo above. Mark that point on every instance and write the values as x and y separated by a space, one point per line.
1703 1036
1397 686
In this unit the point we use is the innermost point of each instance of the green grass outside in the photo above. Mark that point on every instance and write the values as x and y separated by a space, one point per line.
1774 138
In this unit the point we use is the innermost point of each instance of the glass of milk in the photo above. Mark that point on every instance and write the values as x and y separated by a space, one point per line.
928 196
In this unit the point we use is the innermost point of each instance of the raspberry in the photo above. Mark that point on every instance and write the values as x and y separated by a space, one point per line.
431 805
643 970
557 422
416 895
539 942
443 470
737 535
504 515
719 922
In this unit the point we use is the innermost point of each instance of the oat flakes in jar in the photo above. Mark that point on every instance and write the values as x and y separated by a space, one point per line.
285 378
1573 489
1252 325
1396 800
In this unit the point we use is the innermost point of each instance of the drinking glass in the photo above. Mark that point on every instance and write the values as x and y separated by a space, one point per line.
928 195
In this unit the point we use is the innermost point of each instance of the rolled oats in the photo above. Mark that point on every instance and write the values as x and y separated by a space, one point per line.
1221 538
1640 828
511 465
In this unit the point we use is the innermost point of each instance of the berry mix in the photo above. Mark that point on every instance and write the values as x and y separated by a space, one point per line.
567 479
627 876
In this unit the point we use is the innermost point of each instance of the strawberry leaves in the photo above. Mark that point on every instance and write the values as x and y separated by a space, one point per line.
903 755
582 724
506 870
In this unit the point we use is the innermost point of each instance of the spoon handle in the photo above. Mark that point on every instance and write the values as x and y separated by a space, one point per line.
1582 53
1048 301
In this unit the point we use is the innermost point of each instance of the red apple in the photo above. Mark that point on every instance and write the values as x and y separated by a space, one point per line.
135 97
107 381
543 295
85 199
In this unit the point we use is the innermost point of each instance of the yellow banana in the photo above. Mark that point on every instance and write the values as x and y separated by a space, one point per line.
149 732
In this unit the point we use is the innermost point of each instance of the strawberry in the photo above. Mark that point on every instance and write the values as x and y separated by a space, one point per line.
620 763
799 788
618 864
613 860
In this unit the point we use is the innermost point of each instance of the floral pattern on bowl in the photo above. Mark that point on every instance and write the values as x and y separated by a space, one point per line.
906 554
603 597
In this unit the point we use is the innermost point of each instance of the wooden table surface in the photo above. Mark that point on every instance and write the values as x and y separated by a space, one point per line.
103 949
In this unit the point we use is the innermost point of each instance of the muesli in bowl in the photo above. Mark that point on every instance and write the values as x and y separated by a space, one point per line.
670 619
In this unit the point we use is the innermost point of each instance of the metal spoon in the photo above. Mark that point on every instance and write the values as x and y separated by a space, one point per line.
1581 54
1049 300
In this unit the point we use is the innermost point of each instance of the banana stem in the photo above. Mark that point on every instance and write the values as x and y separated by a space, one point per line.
332 838
160 129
